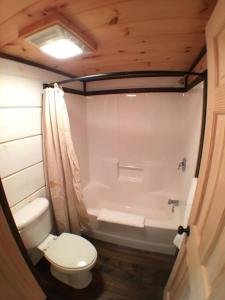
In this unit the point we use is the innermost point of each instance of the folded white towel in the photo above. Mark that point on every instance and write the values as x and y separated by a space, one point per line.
118 217
179 238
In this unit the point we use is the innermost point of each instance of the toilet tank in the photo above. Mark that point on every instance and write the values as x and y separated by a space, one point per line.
34 222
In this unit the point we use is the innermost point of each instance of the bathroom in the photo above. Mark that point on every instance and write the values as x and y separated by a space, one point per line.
99 205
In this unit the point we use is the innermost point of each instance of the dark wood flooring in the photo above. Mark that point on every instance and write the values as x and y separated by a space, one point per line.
121 273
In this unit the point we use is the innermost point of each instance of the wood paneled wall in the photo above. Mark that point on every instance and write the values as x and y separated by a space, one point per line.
21 162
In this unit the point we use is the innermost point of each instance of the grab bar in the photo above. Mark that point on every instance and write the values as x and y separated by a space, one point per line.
130 167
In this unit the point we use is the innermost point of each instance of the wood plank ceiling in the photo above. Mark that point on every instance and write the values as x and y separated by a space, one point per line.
130 34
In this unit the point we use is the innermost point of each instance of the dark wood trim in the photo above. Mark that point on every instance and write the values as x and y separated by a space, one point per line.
202 137
122 91
108 76
131 74
137 90
138 74
196 81
118 75
66 90
34 64
84 87
7 211
198 58
184 89
73 91
193 65
186 83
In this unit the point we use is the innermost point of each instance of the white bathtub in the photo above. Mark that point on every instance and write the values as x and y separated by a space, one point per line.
160 224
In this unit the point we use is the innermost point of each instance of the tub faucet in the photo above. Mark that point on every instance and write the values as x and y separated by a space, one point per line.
173 203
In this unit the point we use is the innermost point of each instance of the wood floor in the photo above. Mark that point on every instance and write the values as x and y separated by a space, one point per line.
121 273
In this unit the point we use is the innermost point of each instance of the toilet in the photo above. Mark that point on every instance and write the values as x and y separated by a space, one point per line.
71 256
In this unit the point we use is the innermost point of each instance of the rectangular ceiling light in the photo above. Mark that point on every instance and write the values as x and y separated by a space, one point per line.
56 41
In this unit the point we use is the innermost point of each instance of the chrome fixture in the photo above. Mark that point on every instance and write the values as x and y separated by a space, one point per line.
183 164
173 203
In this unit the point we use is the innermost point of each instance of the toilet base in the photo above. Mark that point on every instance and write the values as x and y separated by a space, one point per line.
77 280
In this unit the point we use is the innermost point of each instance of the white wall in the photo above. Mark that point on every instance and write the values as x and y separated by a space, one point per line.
76 106
192 123
141 130
21 161
156 129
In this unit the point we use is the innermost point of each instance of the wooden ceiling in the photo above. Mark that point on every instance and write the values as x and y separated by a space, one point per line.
130 34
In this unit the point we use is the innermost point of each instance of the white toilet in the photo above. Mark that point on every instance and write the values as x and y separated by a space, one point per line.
70 255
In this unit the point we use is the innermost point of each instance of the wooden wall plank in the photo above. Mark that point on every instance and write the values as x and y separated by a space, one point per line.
25 92
24 183
14 123
40 193
20 154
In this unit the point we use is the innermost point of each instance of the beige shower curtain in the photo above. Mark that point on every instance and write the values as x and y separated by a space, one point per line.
61 165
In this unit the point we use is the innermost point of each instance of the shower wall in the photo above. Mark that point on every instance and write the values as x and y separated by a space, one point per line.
138 138
77 110
193 102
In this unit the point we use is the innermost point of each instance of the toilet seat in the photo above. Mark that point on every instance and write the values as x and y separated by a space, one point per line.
71 252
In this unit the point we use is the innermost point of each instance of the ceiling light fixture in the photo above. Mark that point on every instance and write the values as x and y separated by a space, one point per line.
58 38
57 42
61 48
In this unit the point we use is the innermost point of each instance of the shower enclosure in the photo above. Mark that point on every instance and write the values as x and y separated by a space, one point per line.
131 149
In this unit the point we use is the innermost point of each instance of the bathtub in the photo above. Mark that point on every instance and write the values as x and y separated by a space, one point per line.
160 223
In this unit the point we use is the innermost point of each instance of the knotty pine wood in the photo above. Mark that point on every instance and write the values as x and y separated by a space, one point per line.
130 35
204 249
121 273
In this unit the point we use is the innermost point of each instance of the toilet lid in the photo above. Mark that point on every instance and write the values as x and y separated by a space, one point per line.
71 251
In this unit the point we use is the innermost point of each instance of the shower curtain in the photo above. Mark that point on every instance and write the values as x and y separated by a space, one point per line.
61 165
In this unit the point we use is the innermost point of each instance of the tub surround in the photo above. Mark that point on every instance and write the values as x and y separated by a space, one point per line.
134 146
152 132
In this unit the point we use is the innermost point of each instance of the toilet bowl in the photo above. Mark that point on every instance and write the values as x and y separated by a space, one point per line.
71 256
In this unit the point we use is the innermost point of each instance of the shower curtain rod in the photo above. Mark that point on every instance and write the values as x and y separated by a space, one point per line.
131 74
